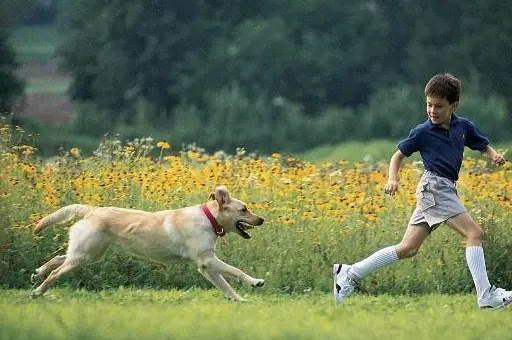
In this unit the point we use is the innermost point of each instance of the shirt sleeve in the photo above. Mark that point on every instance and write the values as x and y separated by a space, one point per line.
475 140
411 144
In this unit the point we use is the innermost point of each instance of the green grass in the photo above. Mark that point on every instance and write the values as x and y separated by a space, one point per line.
376 150
205 314
46 85
36 42
352 151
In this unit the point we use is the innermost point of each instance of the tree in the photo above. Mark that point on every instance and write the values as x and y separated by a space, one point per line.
331 61
122 51
317 54
11 87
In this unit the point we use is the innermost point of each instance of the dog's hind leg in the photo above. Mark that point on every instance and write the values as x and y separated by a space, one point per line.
54 275
218 281
41 272
86 245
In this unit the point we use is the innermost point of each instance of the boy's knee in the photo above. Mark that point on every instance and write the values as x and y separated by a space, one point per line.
405 251
476 234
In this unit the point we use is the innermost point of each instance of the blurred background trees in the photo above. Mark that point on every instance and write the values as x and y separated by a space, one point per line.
278 74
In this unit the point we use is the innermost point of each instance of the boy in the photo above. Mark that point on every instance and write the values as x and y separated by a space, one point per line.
440 141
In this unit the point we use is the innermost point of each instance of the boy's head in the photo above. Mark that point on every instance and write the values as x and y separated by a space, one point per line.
443 86
442 94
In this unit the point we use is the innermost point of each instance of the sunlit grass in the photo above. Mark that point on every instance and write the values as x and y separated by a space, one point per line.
204 314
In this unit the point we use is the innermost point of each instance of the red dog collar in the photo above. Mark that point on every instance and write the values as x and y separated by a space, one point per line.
216 226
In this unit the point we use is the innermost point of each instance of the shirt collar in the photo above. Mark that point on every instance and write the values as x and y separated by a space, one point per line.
455 119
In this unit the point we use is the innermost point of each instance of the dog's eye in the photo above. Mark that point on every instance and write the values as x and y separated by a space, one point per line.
244 209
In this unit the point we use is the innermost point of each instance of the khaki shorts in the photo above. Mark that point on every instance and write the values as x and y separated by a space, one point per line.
436 201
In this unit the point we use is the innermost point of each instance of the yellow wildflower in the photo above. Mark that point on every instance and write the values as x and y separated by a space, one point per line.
163 145
75 152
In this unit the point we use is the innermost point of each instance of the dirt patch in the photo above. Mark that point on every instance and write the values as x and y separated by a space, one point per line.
40 69
50 107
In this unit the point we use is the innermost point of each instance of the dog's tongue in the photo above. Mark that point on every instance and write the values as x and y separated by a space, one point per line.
242 231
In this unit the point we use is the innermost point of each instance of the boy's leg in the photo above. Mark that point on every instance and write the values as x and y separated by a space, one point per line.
473 234
346 277
487 295
408 247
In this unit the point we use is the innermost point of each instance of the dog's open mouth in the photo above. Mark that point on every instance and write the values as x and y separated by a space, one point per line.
242 228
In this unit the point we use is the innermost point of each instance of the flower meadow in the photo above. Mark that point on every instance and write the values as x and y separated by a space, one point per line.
315 214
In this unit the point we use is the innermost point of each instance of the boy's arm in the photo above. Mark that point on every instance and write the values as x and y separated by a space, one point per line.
394 166
494 156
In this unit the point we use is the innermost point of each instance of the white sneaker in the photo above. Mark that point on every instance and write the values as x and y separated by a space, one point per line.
495 298
343 285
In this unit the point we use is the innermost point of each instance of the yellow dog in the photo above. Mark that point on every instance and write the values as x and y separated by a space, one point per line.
163 236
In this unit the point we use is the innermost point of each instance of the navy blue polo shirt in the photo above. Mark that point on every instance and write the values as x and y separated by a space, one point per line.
442 150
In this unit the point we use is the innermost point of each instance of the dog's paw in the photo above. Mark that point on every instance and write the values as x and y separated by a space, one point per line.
259 283
34 278
236 298
35 294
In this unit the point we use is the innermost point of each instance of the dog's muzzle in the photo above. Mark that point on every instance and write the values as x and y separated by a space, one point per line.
244 226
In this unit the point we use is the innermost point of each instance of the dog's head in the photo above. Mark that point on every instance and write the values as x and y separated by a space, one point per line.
234 216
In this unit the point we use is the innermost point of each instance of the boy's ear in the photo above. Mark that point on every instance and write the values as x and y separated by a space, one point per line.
455 106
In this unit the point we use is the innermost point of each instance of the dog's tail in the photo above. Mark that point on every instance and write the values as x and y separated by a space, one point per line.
62 215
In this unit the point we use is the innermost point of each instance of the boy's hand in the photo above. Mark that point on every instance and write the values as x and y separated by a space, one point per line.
498 159
391 187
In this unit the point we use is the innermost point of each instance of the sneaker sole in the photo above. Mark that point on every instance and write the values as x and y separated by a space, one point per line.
335 270
504 305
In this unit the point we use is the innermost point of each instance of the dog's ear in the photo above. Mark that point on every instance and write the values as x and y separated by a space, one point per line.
222 195
211 197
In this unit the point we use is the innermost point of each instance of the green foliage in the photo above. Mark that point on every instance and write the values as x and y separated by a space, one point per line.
232 118
11 86
291 257
314 53
392 112
13 11
335 65
36 43
489 111
345 71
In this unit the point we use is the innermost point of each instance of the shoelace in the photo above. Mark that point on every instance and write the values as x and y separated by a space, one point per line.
349 285
506 295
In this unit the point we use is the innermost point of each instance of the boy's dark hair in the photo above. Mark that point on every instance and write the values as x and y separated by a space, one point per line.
443 86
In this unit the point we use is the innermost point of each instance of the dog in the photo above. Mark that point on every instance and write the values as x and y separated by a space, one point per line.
188 233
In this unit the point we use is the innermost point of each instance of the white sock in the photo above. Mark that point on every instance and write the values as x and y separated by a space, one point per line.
476 263
373 262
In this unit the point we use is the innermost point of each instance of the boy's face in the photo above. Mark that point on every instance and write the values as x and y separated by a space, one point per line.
439 110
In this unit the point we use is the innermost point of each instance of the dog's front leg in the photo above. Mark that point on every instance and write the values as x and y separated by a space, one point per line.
218 281
216 265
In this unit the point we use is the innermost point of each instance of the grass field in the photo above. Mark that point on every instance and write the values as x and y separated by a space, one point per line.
47 85
374 150
36 42
205 314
